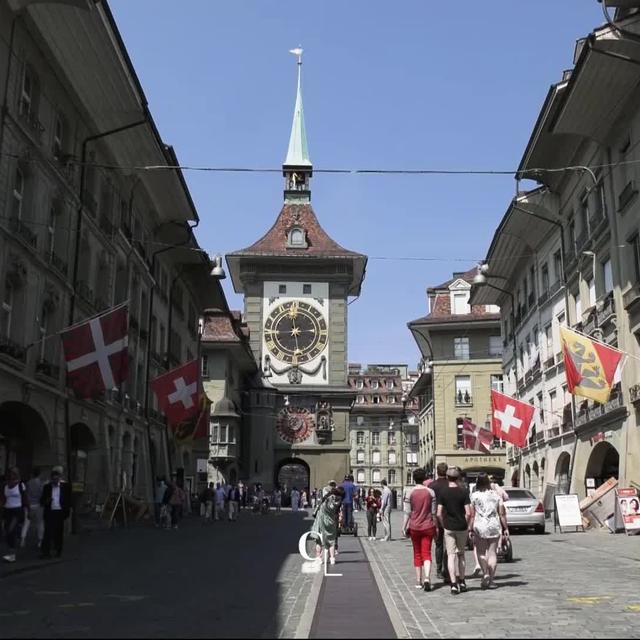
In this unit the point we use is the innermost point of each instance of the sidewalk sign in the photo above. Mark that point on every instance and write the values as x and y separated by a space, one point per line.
628 508
567 512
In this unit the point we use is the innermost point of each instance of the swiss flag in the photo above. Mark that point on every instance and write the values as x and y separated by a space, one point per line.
96 353
475 438
510 418
178 392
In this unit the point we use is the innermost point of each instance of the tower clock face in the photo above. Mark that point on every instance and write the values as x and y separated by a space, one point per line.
295 332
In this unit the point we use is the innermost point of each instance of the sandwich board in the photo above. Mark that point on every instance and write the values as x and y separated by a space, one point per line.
567 512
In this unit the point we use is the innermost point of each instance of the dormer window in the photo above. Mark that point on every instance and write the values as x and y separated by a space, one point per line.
297 238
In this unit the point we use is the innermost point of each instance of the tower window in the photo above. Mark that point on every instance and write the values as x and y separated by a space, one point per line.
306 289
297 238
282 288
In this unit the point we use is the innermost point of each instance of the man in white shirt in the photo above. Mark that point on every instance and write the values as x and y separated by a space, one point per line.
386 511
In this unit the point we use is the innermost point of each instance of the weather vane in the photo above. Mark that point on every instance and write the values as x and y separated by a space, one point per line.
297 52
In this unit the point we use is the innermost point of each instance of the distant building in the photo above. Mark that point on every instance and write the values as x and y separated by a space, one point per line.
461 351
383 426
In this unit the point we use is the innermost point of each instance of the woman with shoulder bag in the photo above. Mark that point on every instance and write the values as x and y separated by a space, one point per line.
421 528
373 504
488 523
15 504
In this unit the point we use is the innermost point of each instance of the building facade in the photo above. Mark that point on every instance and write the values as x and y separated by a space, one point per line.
296 282
383 426
568 254
78 235
461 351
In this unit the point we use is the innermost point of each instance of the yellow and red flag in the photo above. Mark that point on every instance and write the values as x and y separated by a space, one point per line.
590 366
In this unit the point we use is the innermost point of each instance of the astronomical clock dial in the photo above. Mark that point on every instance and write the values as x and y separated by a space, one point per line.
295 424
295 332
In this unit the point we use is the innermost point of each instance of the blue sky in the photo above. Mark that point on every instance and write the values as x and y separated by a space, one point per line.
388 85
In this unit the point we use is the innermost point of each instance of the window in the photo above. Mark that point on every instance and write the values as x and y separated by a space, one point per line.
205 366
461 348
545 278
282 289
58 137
607 276
557 266
541 408
461 303
591 287
495 346
532 277
360 420
360 456
459 426
375 384
412 457
548 333
463 390
306 289
375 457
297 238
635 257
360 437
391 437
376 399
18 195
578 308
497 382
375 476
392 476
51 230
392 457
552 407
375 437
27 94
360 476
359 384
391 399
6 309
360 399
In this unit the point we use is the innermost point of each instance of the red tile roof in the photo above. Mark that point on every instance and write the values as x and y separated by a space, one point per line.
220 326
462 275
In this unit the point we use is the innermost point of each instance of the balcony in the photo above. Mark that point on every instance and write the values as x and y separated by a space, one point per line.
31 122
627 195
550 362
464 399
608 311
21 229
591 323
58 263
544 296
631 298
85 292
223 452
12 349
589 413
46 368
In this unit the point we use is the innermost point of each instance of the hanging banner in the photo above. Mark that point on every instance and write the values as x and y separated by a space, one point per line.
629 506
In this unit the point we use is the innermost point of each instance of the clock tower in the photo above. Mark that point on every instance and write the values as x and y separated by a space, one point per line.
296 281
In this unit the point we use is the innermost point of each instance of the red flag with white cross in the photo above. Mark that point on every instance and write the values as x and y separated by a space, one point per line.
96 353
178 392
475 438
510 418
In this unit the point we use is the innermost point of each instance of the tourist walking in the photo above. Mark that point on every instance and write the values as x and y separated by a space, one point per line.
373 504
303 499
295 500
488 522
15 504
347 503
234 504
220 501
385 510
421 528
277 499
56 503
454 514
158 500
176 503
439 483
314 498
36 515
326 523
206 499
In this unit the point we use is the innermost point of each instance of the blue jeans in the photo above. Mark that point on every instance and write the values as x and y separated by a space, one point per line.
347 515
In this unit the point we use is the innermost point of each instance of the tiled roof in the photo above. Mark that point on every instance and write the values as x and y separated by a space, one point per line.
477 314
274 242
220 326
462 275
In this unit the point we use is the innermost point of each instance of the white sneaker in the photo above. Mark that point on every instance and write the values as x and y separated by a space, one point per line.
332 560
10 557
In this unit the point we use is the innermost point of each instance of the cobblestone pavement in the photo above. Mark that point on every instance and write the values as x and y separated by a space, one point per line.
218 580
560 585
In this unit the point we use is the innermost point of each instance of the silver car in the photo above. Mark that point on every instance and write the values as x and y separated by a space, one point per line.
524 510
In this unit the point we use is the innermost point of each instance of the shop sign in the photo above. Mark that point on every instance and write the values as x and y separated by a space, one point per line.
201 465
629 509
484 460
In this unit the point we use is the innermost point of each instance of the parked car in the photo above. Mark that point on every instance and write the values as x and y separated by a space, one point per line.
524 510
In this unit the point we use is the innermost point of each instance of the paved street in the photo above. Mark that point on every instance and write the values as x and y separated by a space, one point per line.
559 585
225 580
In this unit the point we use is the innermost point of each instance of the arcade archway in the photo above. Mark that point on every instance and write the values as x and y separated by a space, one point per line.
604 463
292 472
562 473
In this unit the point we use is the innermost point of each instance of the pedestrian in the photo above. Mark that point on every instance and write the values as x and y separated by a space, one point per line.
421 528
243 494
234 504
314 498
206 499
406 506
160 490
220 501
454 513
15 504
227 500
295 500
277 499
303 499
36 517
373 504
176 503
327 489
385 510
347 503
56 503
326 523
439 483
488 523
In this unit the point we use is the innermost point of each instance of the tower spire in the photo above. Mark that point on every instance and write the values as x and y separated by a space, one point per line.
298 153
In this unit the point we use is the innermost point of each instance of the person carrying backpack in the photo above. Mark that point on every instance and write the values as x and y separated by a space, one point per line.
15 507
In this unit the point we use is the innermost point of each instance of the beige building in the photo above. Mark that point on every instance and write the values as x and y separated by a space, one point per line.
383 426
568 254
461 351
78 236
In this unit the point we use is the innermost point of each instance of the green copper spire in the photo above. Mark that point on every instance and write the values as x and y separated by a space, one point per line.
297 153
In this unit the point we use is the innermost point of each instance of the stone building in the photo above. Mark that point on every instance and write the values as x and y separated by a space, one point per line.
383 426
296 281
568 253
461 362
79 235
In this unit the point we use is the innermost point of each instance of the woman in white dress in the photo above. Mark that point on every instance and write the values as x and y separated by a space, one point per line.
295 500
488 523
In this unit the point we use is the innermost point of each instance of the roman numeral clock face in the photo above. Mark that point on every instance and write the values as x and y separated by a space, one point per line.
295 332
